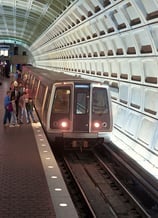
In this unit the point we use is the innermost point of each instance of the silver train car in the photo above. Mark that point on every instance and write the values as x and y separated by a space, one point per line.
75 113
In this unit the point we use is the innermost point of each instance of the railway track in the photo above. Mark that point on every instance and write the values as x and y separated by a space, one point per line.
136 179
95 188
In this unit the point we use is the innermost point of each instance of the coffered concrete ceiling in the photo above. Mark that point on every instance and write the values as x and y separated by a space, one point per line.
25 20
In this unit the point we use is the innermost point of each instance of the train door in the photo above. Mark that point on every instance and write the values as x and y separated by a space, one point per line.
81 108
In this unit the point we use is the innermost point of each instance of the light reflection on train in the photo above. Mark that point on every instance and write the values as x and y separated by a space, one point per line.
74 113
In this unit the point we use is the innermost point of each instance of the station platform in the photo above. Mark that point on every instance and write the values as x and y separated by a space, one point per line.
31 184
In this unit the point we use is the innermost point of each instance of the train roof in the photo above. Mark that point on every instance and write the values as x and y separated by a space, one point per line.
50 77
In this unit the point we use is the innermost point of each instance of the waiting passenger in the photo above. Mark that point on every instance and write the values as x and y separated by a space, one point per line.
21 88
13 121
16 94
16 75
19 79
23 111
7 113
29 108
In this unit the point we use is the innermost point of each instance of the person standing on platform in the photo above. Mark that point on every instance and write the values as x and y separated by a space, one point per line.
16 75
16 94
7 113
23 111
29 108
13 121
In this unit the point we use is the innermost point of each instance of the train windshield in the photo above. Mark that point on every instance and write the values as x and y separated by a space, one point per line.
81 98
61 103
99 101
81 103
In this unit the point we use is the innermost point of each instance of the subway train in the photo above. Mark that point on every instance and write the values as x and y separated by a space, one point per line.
75 113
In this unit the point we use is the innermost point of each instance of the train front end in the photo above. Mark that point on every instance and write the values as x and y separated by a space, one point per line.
80 114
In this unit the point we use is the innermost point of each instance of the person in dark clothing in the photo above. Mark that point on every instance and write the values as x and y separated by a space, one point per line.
15 93
7 105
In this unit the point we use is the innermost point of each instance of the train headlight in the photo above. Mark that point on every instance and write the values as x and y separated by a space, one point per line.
96 125
64 124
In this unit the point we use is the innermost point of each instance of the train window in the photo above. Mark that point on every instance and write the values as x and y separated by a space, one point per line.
46 106
99 101
41 93
81 104
47 101
61 103
35 87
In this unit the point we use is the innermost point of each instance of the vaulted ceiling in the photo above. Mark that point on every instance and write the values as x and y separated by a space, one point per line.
25 20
